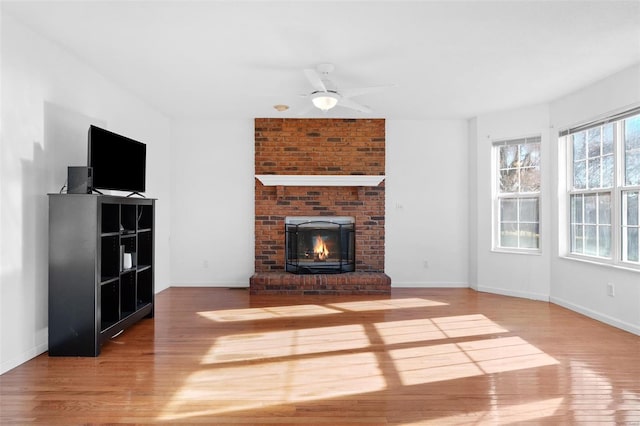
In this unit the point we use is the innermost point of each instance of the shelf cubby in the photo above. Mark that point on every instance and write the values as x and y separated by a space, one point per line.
145 248
110 257
109 304
145 217
144 287
127 293
110 222
128 218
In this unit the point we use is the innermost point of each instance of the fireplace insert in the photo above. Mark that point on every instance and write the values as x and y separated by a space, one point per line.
320 245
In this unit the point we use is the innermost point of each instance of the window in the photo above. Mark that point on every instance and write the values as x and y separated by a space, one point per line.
517 195
604 189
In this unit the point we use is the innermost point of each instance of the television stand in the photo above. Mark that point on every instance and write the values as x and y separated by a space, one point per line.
136 193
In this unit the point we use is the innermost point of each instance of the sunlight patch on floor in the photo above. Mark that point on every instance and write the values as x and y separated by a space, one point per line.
248 386
253 314
427 364
407 331
467 325
379 305
249 346
425 329
271 369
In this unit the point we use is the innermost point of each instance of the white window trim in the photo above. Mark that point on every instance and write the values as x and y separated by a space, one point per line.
616 191
496 196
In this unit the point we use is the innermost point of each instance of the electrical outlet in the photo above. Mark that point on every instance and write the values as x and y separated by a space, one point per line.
611 290
425 264
205 264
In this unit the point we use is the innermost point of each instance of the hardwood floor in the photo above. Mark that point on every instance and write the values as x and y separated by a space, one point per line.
421 356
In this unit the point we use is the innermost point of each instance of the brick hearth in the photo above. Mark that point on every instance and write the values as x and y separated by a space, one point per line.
345 147
348 283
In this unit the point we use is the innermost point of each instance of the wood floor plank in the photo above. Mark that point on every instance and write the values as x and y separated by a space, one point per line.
419 356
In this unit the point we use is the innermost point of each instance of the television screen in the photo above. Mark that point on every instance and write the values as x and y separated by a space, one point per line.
118 162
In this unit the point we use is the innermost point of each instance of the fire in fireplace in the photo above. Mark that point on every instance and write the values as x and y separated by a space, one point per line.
320 244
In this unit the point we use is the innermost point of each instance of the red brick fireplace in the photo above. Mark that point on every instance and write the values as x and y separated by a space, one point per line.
319 167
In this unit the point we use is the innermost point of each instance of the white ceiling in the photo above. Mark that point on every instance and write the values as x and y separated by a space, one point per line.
450 59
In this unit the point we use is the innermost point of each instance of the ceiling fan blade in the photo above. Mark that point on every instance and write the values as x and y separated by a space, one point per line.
348 103
350 93
315 80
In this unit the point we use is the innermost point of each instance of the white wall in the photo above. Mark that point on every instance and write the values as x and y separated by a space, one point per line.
581 286
577 285
48 99
426 224
521 275
212 225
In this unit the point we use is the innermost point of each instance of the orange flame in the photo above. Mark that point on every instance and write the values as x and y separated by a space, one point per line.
320 249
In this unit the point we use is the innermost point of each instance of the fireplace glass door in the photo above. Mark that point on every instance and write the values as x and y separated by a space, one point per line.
323 246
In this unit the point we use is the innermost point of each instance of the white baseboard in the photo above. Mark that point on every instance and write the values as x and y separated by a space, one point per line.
597 316
26 356
514 293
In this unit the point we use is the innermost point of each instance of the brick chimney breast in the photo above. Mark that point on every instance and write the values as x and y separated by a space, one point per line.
319 147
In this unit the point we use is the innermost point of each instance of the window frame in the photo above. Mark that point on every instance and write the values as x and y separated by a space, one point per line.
498 196
616 190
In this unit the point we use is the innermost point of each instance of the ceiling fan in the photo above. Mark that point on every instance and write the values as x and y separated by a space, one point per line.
325 93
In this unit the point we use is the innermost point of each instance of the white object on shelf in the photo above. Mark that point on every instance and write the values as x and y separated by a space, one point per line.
127 262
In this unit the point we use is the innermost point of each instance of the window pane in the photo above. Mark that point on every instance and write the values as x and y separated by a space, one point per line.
529 236
577 238
590 209
593 142
580 175
632 168
579 147
630 223
632 252
607 171
604 209
509 210
607 139
604 241
509 180
509 235
594 173
632 133
530 179
508 156
632 215
632 150
534 155
591 240
529 154
528 210
576 209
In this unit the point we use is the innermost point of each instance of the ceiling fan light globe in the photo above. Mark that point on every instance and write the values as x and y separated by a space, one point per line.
324 100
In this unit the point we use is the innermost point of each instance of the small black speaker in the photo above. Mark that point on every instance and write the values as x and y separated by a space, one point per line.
79 180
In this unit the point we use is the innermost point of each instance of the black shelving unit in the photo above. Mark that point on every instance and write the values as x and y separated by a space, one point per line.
101 264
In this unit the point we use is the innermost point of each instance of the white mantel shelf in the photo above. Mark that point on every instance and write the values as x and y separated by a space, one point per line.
320 180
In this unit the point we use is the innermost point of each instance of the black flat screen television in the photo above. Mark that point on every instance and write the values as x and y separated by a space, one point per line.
118 162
